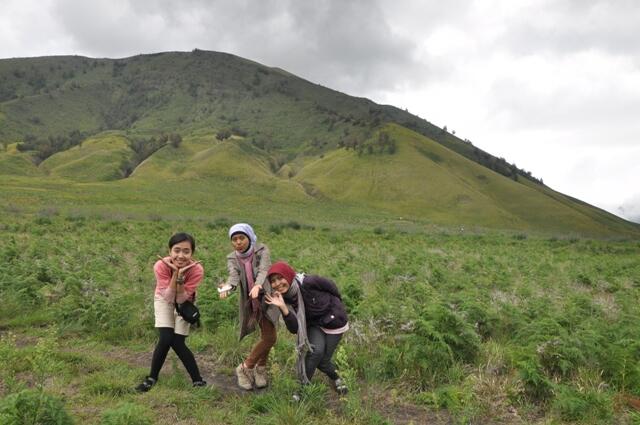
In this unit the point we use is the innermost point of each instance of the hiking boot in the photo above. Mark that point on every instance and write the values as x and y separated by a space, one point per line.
341 387
245 377
146 385
260 376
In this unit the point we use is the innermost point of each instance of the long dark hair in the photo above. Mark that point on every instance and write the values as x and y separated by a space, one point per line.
181 237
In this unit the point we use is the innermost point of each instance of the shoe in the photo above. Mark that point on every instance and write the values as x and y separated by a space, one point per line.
245 377
146 385
341 387
296 397
200 383
260 376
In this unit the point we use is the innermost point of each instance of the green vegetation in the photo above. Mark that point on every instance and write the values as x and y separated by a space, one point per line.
107 135
475 293
445 326
420 183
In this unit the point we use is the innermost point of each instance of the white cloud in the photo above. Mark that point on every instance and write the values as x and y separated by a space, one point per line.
630 208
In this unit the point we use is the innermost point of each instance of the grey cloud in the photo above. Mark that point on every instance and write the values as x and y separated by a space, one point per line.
345 45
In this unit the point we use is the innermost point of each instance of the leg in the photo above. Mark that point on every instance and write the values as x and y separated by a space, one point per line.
260 351
160 352
186 356
326 364
313 358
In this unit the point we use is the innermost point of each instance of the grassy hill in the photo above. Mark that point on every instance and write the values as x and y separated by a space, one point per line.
97 159
251 136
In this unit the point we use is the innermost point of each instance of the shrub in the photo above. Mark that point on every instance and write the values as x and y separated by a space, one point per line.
33 407
573 405
537 385
436 339
352 294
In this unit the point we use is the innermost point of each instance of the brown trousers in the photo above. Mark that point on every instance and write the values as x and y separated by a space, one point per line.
260 351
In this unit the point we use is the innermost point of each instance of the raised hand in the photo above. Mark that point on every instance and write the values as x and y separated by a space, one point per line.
255 291
181 271
223 293
275 298
168 263
185 268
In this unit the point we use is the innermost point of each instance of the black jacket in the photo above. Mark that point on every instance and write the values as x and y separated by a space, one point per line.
322 302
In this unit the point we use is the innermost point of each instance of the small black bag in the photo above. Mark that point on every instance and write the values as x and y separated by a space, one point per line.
189 312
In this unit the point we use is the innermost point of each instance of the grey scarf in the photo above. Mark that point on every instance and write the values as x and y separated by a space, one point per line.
302 342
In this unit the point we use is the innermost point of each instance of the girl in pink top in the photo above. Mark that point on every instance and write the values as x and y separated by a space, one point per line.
177 278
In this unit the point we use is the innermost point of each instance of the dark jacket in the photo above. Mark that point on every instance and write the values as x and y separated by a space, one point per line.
322 302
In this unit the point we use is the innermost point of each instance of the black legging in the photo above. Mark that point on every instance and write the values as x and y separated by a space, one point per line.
323 347
170 339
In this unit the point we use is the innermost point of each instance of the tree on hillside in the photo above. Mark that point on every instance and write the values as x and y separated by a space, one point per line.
142 148
223 134
175 139
238 131
45 147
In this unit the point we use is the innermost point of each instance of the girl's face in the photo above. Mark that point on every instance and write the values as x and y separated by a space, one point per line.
240 242
279 283
181 254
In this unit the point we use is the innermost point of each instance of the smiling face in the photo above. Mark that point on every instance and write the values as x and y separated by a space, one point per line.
181 253
240 242
279 283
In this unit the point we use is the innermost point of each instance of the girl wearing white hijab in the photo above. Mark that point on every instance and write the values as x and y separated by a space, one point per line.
248 265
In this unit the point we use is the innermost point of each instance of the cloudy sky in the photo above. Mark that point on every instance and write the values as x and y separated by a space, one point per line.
552 85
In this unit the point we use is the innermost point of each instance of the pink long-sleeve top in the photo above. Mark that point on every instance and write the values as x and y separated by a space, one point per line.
192 279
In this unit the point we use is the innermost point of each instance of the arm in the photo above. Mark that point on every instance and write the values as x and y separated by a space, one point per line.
263 269
165 280
234 277
290 319
322 284
193 275
263 266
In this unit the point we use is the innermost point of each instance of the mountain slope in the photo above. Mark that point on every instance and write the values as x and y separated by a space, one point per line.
425 179
253 136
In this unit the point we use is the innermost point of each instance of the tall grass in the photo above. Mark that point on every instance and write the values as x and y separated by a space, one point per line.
480 326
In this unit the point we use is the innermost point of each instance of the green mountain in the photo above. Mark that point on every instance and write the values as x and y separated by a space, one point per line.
210 134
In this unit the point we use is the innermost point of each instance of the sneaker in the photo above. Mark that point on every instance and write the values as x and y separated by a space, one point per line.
146 385
296 397
341 387
200 383
260 376
245 377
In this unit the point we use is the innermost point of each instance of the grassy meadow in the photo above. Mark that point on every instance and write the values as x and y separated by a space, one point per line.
476 293
447 326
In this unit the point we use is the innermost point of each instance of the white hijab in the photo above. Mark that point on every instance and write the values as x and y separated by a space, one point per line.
247 230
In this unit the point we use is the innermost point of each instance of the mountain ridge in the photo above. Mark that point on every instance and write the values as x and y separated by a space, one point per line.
241 124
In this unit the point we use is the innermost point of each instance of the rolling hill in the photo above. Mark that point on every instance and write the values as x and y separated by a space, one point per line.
253 142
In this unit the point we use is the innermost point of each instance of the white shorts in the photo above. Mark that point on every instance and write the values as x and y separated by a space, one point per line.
168 317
